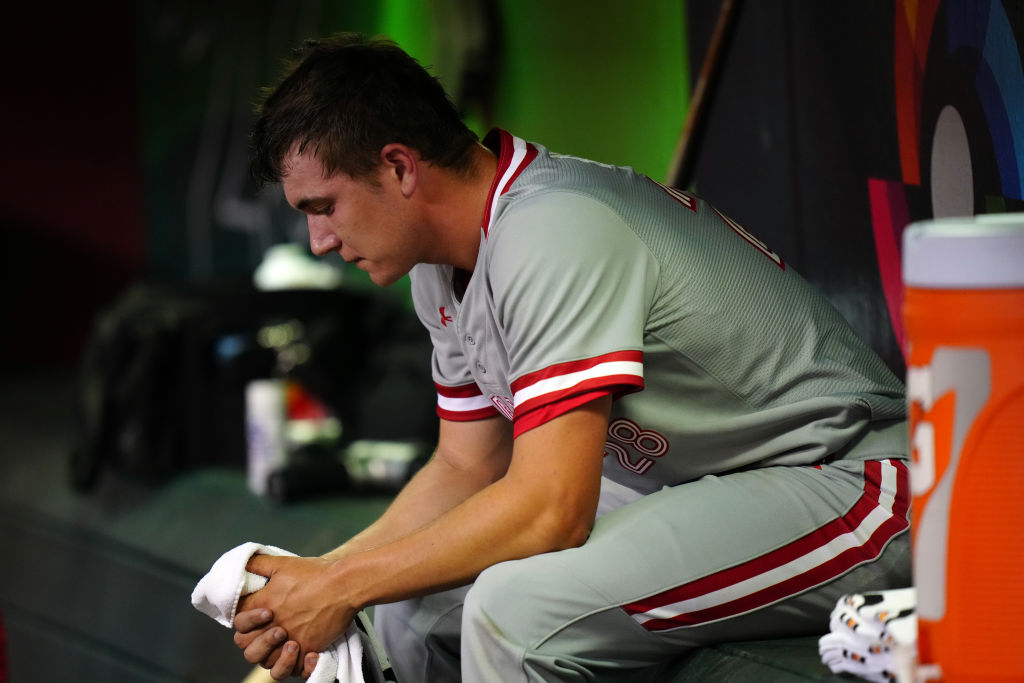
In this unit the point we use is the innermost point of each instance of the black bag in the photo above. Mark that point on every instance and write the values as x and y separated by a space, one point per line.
163 375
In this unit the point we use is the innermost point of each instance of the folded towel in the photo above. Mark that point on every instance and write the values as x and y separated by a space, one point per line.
217 594
873 635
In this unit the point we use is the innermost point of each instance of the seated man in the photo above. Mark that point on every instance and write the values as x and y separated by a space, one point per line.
654 434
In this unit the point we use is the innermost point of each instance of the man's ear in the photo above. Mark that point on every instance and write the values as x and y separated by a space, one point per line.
401 163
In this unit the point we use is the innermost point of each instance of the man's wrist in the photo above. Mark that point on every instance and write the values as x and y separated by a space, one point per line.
334 555
343 579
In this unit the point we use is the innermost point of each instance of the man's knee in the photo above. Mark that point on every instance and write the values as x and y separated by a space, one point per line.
506 600
485 599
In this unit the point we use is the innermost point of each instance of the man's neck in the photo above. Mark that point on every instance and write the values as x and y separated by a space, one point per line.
456 207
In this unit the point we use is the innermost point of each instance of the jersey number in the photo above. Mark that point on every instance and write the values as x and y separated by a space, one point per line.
647 444
691 203
757 244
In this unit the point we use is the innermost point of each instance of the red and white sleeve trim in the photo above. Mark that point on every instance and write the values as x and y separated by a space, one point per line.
826 553
545 394
463 403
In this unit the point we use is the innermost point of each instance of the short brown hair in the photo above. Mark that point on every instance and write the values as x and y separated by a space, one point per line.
345 98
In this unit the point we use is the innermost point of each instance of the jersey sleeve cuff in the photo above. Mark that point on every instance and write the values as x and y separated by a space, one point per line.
463 403
544 395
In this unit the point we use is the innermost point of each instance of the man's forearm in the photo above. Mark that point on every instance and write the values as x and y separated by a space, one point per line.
469 457
492 526
434 490
545 502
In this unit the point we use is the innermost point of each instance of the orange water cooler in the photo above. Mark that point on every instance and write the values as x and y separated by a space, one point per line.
964 317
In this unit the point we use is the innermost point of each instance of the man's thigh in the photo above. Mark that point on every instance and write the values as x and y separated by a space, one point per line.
761 553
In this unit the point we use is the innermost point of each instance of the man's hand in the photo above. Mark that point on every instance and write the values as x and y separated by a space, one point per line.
297 604
262 644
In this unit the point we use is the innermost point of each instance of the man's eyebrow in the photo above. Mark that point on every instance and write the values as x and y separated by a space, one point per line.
304 203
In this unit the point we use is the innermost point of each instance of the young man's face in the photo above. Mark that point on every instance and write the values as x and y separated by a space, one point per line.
368 225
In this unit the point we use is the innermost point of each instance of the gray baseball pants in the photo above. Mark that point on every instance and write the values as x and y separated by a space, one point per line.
750 555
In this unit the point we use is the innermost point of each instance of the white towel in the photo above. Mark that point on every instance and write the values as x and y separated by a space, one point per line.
217 594
873 635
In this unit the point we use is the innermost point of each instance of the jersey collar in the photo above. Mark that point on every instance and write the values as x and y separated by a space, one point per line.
514 154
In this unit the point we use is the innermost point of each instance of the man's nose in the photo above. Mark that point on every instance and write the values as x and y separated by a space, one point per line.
321 239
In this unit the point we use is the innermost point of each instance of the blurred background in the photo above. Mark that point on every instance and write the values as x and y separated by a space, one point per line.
134 321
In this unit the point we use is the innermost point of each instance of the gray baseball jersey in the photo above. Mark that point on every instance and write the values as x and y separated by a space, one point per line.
593 280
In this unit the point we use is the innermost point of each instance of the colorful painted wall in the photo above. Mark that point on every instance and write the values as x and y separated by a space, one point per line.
959 110
836 124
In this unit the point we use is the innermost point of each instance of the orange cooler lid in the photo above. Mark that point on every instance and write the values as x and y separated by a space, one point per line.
974 252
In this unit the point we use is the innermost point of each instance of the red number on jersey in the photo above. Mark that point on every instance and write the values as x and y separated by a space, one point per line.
649 445
678 195
690 202
758 244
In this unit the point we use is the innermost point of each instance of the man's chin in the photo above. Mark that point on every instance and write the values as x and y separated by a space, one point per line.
383 279
380 276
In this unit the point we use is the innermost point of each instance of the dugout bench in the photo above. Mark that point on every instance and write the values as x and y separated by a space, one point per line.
96 586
